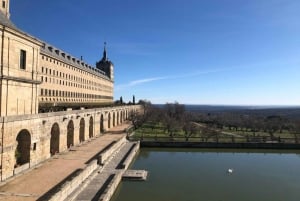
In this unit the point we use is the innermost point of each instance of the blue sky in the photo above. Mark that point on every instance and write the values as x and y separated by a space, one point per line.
228 52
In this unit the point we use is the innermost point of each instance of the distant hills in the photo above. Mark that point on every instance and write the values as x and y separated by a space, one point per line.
284 111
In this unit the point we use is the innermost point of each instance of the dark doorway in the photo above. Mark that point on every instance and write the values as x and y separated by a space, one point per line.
101 124
91 128
118 118
81 130
121 119
70 134
114 119
22 152
54 140
108 121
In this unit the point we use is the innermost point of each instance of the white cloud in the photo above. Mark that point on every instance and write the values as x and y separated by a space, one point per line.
153 79
141 81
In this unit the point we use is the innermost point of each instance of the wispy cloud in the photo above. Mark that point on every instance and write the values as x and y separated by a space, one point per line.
260 65
139 81
169 77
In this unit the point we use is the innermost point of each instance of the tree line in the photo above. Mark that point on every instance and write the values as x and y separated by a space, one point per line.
175 118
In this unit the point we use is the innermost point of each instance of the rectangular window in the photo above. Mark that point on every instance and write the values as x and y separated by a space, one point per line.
23 59
3 4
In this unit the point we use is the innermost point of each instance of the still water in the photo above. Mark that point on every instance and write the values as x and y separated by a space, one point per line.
197 174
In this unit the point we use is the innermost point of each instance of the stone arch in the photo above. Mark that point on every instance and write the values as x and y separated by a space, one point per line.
114 119
122 116
118 118
101 124
54 139
70 134
81 130
91 127
22 152
109 120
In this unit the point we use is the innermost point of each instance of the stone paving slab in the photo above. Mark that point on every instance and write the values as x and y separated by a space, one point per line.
36 182
110 168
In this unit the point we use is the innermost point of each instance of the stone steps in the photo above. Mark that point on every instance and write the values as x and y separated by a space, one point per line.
103 182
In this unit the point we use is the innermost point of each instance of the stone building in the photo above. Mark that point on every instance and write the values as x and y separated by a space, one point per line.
36 76
70 82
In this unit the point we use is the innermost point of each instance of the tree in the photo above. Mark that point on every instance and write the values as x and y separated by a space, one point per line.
296 129
173 117
121 100
273 124
133 100
208 133
136 119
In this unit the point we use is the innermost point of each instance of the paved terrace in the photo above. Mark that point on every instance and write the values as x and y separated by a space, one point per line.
36 182
94 187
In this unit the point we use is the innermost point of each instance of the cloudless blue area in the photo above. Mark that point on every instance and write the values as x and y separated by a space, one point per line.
228 52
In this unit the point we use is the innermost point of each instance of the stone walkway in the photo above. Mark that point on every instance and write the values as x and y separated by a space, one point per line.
110 168
36 182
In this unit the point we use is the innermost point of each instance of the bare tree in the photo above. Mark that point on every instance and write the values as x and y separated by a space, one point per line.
173 115
296 130
273 124
136 118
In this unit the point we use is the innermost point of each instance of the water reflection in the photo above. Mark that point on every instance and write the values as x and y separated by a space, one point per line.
198 174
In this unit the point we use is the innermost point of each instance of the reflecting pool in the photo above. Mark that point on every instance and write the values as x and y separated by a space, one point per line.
197 174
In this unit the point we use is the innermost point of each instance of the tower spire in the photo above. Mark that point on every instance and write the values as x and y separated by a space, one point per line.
104 53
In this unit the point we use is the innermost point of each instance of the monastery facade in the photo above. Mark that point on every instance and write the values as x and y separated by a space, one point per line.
37 78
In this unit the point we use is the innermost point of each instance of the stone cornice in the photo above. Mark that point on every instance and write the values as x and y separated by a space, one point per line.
19 79
22 34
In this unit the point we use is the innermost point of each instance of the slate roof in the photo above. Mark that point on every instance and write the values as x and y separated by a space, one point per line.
57 53
6 22
69 59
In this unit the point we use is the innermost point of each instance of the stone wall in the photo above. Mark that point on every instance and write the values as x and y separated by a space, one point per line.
42 131
19 87
103 157
215 145
70 186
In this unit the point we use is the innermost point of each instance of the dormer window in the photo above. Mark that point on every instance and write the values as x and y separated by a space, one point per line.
57 52
50 48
